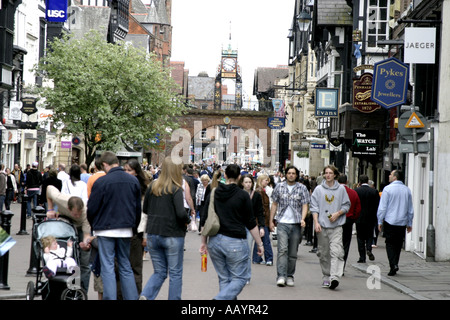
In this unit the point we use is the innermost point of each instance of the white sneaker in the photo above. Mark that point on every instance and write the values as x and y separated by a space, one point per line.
281 282
290 282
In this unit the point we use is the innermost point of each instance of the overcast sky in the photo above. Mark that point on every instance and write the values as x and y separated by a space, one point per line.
259 30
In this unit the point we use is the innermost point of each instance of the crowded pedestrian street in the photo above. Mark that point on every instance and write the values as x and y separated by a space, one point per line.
416 280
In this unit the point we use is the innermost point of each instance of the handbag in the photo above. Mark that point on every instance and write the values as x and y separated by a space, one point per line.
212 223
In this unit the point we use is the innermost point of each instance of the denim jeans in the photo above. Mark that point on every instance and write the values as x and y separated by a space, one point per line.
32 196
230 259
268 252
289 237
119 248
2 201
167 257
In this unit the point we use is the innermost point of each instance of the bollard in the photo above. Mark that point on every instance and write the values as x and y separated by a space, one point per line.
23 216
38 216
4 260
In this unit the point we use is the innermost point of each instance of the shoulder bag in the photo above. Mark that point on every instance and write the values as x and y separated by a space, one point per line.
212 223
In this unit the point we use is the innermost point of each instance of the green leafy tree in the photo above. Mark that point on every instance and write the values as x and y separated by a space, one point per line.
110 93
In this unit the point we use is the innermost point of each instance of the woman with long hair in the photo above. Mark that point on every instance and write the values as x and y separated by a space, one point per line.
261 184
166 230
74 186
247 183
138 242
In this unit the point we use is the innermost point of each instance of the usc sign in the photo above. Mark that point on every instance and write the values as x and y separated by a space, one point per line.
56 10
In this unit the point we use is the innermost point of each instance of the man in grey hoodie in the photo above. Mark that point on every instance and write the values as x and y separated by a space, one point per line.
329 204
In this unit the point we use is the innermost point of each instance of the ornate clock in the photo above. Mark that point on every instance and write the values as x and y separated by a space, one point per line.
229 64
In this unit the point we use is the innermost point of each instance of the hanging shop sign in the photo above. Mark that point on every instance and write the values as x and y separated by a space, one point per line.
327 102
390 83
28 106
362 90
278 108
420 45
365 142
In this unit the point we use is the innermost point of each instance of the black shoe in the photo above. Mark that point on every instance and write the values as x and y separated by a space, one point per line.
361 261
334 284
313 250
392 272
370 255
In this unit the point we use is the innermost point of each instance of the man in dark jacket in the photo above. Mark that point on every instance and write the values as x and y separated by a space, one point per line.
367 221
114 212
33 186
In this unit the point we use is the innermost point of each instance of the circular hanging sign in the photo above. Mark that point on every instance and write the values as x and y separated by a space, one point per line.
76 141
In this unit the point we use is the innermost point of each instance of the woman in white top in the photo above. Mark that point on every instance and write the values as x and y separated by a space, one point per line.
74 186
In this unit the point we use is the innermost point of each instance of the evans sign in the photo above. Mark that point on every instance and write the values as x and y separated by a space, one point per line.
56 10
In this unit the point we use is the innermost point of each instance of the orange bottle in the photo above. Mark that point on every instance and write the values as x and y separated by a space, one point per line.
204 262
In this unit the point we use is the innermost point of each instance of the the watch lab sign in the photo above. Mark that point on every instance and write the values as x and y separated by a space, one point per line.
365 142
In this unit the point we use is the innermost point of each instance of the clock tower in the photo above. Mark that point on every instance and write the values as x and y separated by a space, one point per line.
228 69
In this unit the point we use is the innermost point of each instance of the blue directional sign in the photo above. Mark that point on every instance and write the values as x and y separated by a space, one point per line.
276 123
390 83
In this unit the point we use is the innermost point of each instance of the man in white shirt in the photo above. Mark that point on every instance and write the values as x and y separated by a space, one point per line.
62 174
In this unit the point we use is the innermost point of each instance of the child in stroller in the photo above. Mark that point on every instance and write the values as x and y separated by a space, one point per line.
61 270
55 256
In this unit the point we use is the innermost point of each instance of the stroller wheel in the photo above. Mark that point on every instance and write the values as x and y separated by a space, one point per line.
69 294
30 291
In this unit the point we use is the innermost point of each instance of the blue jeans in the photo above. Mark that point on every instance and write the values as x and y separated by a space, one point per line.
289 237
32 196
230 259
119 249
167 257
2 201
268 253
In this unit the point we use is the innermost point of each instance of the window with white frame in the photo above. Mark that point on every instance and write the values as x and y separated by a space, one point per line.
377 21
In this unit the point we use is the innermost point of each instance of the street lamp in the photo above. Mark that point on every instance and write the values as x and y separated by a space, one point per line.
298 107
303 21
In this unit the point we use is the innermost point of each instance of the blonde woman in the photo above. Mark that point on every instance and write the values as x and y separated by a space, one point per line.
261 184
203 191
166 230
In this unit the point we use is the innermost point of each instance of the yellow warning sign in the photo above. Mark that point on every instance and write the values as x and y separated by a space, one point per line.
414 122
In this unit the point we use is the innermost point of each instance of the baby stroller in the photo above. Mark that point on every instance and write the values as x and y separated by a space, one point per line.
63 286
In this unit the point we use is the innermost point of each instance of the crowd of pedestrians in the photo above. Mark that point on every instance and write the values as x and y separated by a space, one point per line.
123 211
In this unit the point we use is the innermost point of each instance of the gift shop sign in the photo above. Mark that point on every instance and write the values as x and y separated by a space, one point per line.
390 83
362 90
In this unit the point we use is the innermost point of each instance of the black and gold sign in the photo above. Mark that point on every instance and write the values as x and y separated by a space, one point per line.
28 105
